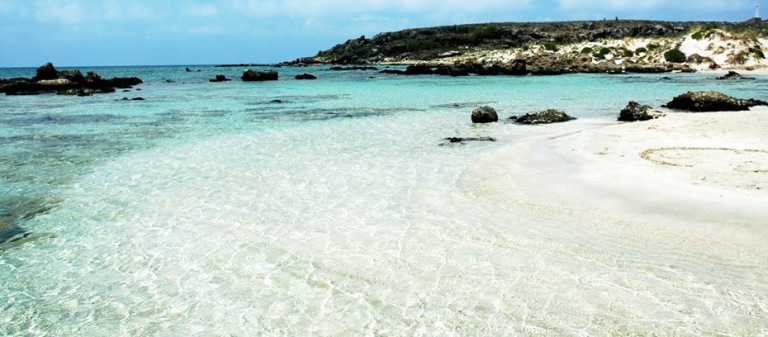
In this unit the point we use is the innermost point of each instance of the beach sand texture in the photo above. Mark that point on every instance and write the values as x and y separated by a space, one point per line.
696 172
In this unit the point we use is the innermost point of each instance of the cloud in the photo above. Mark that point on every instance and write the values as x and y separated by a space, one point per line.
303 8
654 5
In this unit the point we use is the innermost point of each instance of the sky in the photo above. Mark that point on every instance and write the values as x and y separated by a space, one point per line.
191 32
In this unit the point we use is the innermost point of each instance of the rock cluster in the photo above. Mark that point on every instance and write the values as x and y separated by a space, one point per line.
547 116
68 82
704 101
636 112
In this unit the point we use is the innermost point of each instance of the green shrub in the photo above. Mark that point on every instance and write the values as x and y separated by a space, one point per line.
419 45
550 46
641 50
487 33
675 56
604 51
587 50
698 35
627 53
652 46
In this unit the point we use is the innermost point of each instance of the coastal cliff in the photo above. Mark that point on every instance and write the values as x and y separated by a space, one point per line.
562 47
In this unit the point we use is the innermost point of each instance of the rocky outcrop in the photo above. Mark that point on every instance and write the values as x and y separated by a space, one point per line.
258 76
636 112
548 116
705 101
484 114
69 82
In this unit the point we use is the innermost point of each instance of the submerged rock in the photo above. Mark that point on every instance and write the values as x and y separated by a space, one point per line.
705 101
548 116
219 78
732 75
258 76
305 77
636 112
462 140
484 114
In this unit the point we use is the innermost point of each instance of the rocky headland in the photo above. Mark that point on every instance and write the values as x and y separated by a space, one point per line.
613 46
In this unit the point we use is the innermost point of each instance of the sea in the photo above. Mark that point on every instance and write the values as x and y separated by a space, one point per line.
337 207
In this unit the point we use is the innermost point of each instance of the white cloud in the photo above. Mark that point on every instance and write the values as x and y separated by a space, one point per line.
653 5
303 8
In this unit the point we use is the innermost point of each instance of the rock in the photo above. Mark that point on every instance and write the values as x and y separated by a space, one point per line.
484 114
306 77
219 78
451 70
56 82
704 101
419 70
636 112
545 117
462 140
138 99
85 91
469 139
732 75
46 72
354 68
258 76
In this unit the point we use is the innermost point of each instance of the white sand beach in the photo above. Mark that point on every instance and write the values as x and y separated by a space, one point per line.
705 174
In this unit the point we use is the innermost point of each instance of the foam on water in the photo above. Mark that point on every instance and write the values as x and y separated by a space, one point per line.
356 226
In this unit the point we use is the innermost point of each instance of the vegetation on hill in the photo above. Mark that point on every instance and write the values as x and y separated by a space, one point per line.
585 41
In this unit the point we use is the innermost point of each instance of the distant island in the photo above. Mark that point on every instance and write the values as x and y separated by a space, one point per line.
551 48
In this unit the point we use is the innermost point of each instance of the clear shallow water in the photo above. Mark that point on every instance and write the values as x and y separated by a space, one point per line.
210 209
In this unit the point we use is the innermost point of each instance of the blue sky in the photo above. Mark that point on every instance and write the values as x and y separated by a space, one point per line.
149 32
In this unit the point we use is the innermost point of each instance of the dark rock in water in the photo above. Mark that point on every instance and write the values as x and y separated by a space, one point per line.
732 75
354 68
219 78
548 116
258 76
704 101
484 114
306 77
636 112
138 99
170 81
452 70
188 70
85 91
276 101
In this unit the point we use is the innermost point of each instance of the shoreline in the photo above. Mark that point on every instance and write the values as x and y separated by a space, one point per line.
705 173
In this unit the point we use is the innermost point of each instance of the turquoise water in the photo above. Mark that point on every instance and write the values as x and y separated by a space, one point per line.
329 207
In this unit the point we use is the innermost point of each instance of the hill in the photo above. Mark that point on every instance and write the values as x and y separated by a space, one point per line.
559 47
